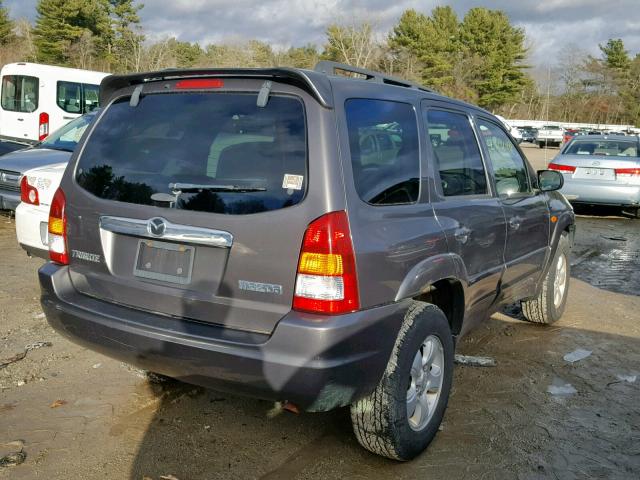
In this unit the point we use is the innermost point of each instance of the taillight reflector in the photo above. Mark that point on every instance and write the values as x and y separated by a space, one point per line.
561 168
327 281
28 193
196 83
43 126
58 229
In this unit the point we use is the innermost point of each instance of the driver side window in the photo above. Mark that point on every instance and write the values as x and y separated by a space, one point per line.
508 166
456 153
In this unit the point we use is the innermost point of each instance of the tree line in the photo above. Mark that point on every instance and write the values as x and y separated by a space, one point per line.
480 58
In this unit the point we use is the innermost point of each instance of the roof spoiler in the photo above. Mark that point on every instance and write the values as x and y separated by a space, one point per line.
315 83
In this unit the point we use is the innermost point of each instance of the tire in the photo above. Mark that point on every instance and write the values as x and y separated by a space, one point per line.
541 144
548 306
632 212
381 421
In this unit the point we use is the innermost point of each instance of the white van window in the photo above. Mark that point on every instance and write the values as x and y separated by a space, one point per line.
70 97
20 93
91 97
77 97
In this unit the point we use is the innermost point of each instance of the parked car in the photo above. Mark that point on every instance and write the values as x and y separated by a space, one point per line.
7 146
57 148
601 170
37 187
200 232
549 136
515 132
569 134
528 134
39 99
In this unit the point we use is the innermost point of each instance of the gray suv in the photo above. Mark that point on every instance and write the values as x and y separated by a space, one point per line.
309 237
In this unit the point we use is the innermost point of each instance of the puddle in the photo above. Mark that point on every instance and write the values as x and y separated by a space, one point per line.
605 260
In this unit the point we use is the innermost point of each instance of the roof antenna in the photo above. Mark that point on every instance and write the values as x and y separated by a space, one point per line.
263 94
135 96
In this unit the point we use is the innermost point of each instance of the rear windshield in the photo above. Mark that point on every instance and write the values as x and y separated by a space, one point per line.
614 148
210 152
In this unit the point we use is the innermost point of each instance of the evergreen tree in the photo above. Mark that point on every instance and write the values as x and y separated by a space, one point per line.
6 25
61 23
488 36
615 56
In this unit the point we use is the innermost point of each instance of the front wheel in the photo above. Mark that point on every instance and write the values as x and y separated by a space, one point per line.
541 144
402 415
548 306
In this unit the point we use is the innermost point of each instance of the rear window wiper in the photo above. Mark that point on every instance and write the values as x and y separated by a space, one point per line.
178 188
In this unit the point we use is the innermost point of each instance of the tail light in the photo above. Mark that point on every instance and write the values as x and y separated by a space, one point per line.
28 193
327 281
561 168
43 126
58 229
628 172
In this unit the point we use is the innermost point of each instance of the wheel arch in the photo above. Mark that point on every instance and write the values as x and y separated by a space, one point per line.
442 281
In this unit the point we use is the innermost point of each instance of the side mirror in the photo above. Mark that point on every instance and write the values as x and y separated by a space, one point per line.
550 180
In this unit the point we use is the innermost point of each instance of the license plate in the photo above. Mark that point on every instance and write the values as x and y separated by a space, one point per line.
167 262
596 173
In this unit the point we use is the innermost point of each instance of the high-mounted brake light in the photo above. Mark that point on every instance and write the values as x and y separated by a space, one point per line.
561 168
28 193
43 126
327 281
58 229
197 83
628 172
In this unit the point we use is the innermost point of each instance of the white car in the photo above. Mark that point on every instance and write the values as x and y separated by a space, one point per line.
37 187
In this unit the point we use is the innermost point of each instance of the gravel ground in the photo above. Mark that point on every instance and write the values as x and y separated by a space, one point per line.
78 415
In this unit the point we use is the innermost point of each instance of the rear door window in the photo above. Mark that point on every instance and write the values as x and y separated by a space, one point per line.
20 93
210 152
383 139
456 153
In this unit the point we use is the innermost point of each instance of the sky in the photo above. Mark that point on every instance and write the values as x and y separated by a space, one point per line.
553 27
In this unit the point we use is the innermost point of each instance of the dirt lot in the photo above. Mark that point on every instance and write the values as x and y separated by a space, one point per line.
79 415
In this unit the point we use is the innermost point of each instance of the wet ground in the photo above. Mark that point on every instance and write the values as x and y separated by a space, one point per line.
75 414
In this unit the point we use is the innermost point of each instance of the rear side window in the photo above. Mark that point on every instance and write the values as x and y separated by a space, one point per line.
383 139
20 93
209 152
456 154
77 97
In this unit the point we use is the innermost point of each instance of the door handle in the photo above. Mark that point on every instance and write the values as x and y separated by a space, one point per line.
462 235
515 222
68 118
21 119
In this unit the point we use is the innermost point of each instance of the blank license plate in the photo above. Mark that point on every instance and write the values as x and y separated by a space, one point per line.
596 173
162 261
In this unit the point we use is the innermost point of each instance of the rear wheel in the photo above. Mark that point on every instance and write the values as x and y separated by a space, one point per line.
548 306
402 415
541 144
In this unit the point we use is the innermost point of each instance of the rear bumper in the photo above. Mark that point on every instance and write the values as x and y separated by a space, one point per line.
578 191
318 363
31 229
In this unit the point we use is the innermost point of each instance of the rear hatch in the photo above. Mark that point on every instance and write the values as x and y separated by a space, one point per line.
193 201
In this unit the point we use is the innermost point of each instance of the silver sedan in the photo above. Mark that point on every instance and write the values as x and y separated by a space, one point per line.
601 170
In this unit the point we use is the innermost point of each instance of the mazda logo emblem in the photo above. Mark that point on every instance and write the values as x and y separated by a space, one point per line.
156 227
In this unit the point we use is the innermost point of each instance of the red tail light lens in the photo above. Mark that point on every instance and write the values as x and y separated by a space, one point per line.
58 229
43 126
28 193
628 172
327 281
561 168
198 83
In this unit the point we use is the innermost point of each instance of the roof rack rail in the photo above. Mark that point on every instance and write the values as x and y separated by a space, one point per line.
331 68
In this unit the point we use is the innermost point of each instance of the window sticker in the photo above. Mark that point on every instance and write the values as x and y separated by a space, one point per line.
292 182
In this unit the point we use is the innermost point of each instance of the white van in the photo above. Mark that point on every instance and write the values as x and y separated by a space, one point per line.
38 99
